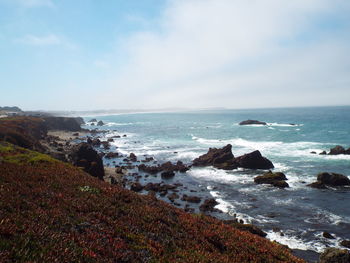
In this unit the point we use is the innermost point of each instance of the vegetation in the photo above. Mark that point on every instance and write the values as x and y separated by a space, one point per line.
54 212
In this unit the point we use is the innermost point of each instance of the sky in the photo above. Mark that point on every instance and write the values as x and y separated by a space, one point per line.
152 54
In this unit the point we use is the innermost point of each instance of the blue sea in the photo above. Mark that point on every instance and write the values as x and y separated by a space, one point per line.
296 216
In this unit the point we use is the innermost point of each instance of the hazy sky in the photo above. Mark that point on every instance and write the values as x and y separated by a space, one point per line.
117 54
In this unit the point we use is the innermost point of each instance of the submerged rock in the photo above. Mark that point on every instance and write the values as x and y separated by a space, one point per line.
254 160
335 255
93 120
250 122
333 179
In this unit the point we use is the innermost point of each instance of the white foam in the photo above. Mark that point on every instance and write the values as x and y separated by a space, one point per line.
218 175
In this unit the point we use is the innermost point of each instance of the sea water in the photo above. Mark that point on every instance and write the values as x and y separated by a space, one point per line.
295 216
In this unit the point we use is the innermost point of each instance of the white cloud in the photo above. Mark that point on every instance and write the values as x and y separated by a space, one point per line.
45 40
214 52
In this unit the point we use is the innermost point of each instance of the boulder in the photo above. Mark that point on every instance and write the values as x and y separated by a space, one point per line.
83 155
100 123
254 160
345 243
276 179
133 157
333 179
178 167
208 205
167 174
149 169
323 153
220 158
136 187
327 235
191 199
111 155
337 150
317 185
335 255
250 122
93 120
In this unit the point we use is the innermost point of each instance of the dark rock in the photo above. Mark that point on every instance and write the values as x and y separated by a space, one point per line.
191 199
100 123
323 153
219 158
111 155
119 170
250 122
124 135
148 159
276 179
333 179
149 169
335 255
172 197
318 185
105 145
79 120
83 155
178 167
208 205
96 142
93 120
327 235
246 227
167 174
337 150
76 134
345 243
313 152
136 187
133 157
254 160
62 123
110 140
88 140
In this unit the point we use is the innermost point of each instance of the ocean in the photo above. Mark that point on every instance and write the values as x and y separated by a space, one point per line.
296 216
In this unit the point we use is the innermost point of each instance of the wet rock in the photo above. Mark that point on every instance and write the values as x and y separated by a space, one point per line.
133 157
313 152
250 122
149 169
96 142
345 243
327 235
323 153
220 158
136 187
83 155
105 145
111 155
317 185
254 160
337 150
75 134
100 123
208 205
88 140
172 197
167 174
124 135
93 120
333 179
276 179
335 255
246 227
148 159
191 199
178 167
110 140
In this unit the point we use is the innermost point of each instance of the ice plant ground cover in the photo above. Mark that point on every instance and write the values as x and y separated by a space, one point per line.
53 212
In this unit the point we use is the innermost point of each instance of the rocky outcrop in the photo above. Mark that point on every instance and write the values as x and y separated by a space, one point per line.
133 157
221 158
83 155
62 123
251 122
100 123
254 160
208 205
277 179
166 167
80 120
335 255
93 120
339 150
191 199
330 179
345 243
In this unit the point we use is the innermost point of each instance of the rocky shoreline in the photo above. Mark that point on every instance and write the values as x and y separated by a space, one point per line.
143 174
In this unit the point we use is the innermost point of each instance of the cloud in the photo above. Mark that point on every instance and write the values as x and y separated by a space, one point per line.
45 40
237 54
35 3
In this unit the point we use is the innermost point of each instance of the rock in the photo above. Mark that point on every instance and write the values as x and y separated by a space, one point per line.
178 167
208 205
100 123
110 140
149 169
93 120
250 122
276 179
317 185
83 155
327 235
246 227
313 152
148 159
105 145
335 255
136 187
133 157
337 150
323 153
75 134
172 197
191 199
111 155
333 179
79 120
62 123
345 243
96 142
167 174
254 160
220 158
